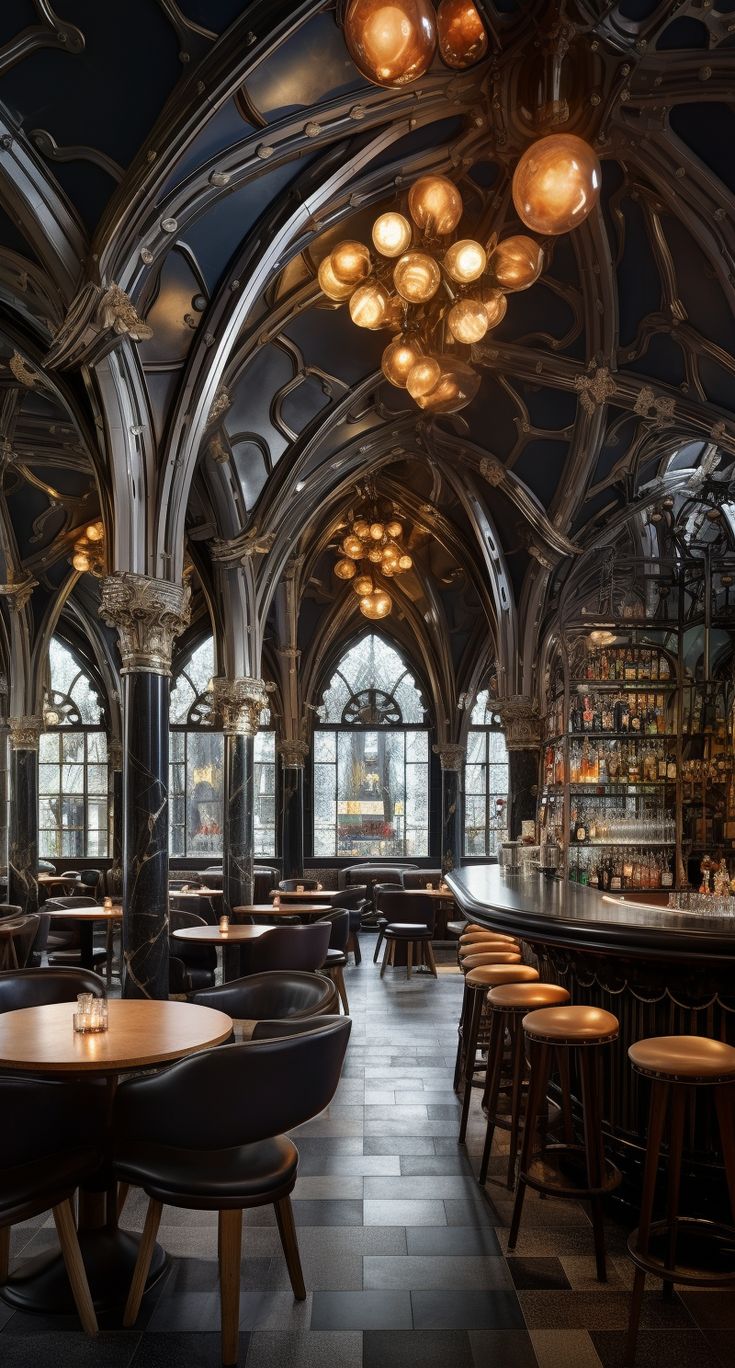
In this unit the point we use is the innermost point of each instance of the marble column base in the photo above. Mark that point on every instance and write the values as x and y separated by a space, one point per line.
451 820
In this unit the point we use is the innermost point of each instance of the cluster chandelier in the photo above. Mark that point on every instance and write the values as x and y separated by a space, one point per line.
394 44
88 555
372 548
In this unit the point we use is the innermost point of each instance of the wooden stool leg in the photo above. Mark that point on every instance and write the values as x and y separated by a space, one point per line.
72 1255
517 1060
4 1254
340 978
429 953
566 1096
381 938
494 1070
461 1028
676 1146
143 1262
725 1105
287 1231
539 1055
230 1241
593 1151
656 1118
409 958
473 1032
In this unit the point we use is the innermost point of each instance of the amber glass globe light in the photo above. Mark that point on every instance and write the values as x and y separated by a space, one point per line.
361 529
556 183
435 205
345 569
465 261
369 305
456 386
517 262
375 555
389 568
363 585
95 532
81 562
462 36
352 546
351 262
392 42
417 277
423 377
394 529
377 531
391 234
331 286
467 320
494 303
398 359
405 562
376 605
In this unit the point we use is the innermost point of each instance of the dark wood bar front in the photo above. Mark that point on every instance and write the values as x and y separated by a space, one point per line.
661 972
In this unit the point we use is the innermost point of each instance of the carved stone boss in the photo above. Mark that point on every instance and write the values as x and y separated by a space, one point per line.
521 722
149 614
293 753
24 732
239 703
451 757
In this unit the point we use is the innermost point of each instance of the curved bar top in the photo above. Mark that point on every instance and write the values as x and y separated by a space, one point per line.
569 915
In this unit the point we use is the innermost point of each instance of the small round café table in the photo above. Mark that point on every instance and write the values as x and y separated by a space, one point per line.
226 940
141 1034
301 909
87 916
317 895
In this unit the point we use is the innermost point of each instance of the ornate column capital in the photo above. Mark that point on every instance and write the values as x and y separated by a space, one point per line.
148 614
25 731
521 722
239 703
293 753
451 756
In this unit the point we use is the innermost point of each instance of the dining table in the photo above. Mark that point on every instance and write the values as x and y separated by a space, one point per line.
62 881
236 935
87 917
307 910
141 1034
308 895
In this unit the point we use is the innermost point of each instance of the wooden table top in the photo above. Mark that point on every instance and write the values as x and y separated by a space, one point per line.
113 913
285 910
306 895
211 935
195 892
141 1033
58 878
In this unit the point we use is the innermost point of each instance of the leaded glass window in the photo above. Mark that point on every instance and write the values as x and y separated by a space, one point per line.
73 781
485 781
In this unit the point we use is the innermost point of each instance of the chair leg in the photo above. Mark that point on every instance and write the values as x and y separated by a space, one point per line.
676 1145
517 1057
534 1101
429 952
341 989
4 1254
287 1232
593 1152
143 1262
409 958
494 1070
656 1118
473 1032
381 938
386 957
230 1245
72 1256
354 946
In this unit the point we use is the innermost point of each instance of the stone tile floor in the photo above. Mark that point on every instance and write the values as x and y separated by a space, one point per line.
403 1253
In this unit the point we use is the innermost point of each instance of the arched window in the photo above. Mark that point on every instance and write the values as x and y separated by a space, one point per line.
371 758
485 781
196 769
73 802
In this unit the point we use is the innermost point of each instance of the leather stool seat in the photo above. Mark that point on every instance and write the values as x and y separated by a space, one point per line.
571 1025
492 975
490 957
231 1178
470 936
691 1059
517 997
407 931
455 928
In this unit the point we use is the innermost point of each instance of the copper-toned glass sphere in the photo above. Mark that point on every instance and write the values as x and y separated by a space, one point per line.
398 359
389 568
377 531
465 260
352 546
351 262
556 183
375 556
405 562
516 263
392 42
328 282
435 205
81 562
417 277
95 532
363 585
376 605
392 234
345 569
394 529
495 304
361 528
369 305
462 36
467 320
423 376
456 387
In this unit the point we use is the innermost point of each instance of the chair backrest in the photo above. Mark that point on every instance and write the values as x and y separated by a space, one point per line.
48 1117
197 956
90 878
41 937
351 897
36 987
416 879
271 996
77 900
10 910
46 867
22 931
339 927
292 885
264 879
69 874
290 947
293 1079
413 908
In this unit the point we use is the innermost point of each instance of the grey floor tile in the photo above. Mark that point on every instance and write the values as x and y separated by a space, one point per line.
436 1185
311 1349
398 1144
450 1241
404 1213
422 1272
504 1348
466 1310
443 1165
361 1311
417 1349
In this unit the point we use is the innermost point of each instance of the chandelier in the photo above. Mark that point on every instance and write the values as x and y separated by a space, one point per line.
437 290
88 555
393 44
370 549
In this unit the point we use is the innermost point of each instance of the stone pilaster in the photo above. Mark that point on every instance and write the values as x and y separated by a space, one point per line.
522 726
239 703
452 759
24 733
293 756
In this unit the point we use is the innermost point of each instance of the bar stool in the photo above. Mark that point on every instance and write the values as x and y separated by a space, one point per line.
467 953
555 1169
477 983
508 1004
676 1066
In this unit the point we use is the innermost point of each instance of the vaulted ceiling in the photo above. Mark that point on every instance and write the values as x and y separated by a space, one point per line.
171 175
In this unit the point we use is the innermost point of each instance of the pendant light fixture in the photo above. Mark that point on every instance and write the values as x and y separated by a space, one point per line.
373 546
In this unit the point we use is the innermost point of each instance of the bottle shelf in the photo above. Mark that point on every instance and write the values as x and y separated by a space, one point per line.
623 845
616 736
624 685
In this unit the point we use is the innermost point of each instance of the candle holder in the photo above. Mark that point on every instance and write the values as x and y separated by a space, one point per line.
277 900
107 903
299 888
224 925
91 1016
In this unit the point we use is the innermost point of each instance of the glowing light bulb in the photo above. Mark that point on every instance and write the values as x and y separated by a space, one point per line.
494 303
516 263
352 547
391 43
389 568
330 285
377 531
423 377
351 262
81 562
467 320
375 555
363 585
405 562
392 234
95 532
465 261
462 36
556 183
394 529
369 305
398 358
417 277
345 569
455 387
435 205
376 605
361 529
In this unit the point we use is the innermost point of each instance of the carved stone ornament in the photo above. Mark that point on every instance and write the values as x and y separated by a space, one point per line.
149 614
24 732
521 722
220 404
451 757
293 753
115 754
240 550
595 390
18 592
24 374
650 405
239 703
493 471
117 311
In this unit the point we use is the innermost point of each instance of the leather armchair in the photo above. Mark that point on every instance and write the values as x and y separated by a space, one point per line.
37 987
271 996
339 922
200 960
287 947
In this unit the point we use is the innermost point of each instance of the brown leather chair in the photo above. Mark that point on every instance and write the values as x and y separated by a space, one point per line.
37 987
275 996
17 935
287 947
415 880
293 885
336 959
211 1157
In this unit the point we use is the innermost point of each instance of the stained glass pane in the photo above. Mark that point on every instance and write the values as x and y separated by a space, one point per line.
372 664
486 782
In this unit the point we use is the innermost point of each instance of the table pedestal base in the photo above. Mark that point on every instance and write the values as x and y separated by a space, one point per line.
109 1258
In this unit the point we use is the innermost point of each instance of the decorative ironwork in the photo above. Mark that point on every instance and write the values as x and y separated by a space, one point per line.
372 708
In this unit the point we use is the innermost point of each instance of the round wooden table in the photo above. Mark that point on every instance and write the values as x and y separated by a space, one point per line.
195 892
49 880
141 1034
314 894
285 910
226 940
87 916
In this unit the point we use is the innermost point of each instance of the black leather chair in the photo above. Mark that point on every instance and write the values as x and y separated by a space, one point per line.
410 919
90 880
262 999
414 880
44 1155
10 910
41 938
293 885
371 874
64 939
200 960
287 947
381 920
37 987
229 1158
334 965
17 935
357 903
265 878
46 867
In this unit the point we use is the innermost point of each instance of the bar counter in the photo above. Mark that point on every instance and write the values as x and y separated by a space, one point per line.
661 972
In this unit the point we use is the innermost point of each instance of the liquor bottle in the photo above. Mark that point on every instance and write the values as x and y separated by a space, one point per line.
587 713
594 874
575 720
671 766
616 873
607 721
630 670
613 762
667 874
604 666
661 762
623 714
664 670
580 827
635 713
602 771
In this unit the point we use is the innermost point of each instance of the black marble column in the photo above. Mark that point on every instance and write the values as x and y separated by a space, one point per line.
115 874
238 838
452 762
145 835
23 835
523 769
292 821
